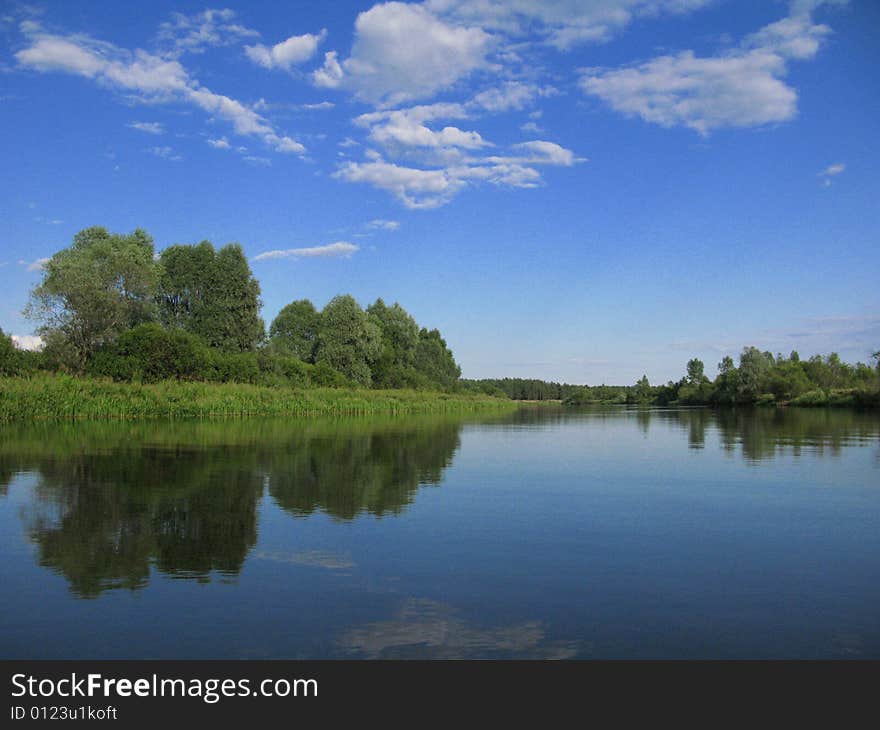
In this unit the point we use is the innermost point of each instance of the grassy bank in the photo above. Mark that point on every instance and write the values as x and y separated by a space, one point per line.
61 397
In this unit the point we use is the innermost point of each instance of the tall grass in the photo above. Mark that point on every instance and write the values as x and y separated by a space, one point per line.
62 397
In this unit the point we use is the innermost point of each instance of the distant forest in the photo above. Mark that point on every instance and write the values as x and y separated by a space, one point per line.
760 378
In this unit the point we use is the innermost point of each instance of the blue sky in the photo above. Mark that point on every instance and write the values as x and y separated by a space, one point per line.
568 189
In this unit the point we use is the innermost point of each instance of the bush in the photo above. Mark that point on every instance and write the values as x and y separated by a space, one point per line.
149 353
11 360
324 376
234 367
811 398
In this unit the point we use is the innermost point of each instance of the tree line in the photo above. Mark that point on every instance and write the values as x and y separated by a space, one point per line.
760 378
109 306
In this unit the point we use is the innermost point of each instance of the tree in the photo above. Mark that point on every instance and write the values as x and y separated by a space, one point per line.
9 359
695 374
183 283
91 292
400 339
434 359
295 330
754 369
349 341
212 294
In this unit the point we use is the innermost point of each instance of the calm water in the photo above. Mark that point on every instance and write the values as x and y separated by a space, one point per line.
542 534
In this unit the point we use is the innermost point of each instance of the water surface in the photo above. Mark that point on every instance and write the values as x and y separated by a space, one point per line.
547 533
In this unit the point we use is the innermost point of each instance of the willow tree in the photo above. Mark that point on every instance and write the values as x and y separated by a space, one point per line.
212 294
92 291
348 340
400 340
295 330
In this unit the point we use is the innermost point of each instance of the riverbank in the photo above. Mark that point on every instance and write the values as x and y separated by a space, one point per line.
62 397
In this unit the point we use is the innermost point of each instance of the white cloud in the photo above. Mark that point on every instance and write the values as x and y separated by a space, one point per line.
830 172
415 188
403 52
165 152
406 128
384 225
195 33
319 106
740 90
833 170
148 127
510 95
294 50
562 23
151 78
258 161
531 127
28 342
36 265
419 188
742 87
219 144
340 249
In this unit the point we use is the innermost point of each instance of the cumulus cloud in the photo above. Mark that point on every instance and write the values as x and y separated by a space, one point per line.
294 50
28 342
403 52
147 127
219 144
146 76
340 249
407 128
420 188
742 87
195 33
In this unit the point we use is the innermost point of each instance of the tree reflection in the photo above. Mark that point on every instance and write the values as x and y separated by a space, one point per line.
764 433
113 500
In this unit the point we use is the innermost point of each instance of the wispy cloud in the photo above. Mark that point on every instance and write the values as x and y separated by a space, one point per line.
219 144
385 225
165 152
195 33
147 127
146 76
339 249
830 172
36 265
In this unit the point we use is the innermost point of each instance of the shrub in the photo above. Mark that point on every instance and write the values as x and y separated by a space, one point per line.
150 353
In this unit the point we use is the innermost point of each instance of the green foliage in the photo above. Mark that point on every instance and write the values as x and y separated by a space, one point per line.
295 329
349 341
17 362
9 361
695 374
394 368
212 294
434 359
149 353
92 291
62 397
